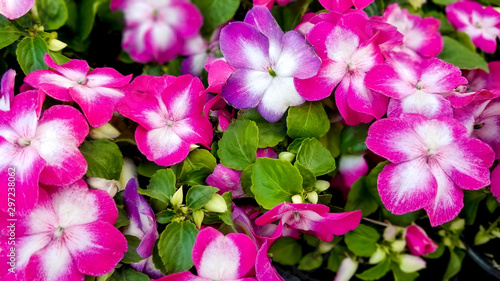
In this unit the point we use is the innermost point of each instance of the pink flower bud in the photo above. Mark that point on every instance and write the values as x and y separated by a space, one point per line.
418 242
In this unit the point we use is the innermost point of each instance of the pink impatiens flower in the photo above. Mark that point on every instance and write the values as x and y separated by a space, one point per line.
219 258
432 161
169 112
96 92
311 218
13 9
39 149
267 62
69 234
418 242
480 23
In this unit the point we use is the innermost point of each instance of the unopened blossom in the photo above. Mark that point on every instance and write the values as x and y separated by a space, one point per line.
157 30
347 269
226 179
311 218
415 86
352 167
96 92
7 90
418 242
421 37
348 51
39 148
169 112
480 23
13 9
267 62
69 234
411 263
219 258
432 161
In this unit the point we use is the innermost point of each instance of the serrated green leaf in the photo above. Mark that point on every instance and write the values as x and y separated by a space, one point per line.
308 120
165 216
161 186
314 156
308 177
362 241
310 261
458 55
295 145
376 272
104 159
286 251
176 244
274 181
270 134
30 52
238 146
8 32
131 255
198 196
216 12
52 13
197 166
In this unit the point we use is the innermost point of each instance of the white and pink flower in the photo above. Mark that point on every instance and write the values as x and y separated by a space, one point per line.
432 161
13 9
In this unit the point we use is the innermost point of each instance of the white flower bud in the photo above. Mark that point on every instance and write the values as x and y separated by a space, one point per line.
346 270
128 171
312 197
176 199
56 45
390 232
378 256
110 186
297 199
106 131
322 185
217 204
198 216
325 247
287 156
193 147
410 263
398 246
458 224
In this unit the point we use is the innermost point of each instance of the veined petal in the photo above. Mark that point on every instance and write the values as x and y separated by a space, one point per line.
73 70
407 186
246 87
244 46
149 114
280 95
107 77
184 97
298 58
161 145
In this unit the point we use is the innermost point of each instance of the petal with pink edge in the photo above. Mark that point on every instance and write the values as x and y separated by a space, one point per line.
7 90
13 9
161 145
352 167
363 100
196 129
428 105
351 117
218 73
182 276
149 115
263 21
263 268
407 187
98 104
440 77
321 85
184 97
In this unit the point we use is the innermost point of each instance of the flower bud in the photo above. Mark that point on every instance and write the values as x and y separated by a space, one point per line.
378 256
312 197
390 232
106 131
322 185
398 246
56 45
410 263
176 199
110 186
346 269
128 171
325 247
287 156
198 216
297 199
418 242
217 204
193 147
458 224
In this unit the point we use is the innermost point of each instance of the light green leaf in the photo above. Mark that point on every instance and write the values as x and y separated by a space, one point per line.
52 13
270 134
400 275
314 156
176 244
8 32
286 251
310 261
275 181
459 55
161 186
30 52
308 177
88 11
376 272
195 169
104 159
362 241
332 139
238 146
246 180
198 196
165 216
308 120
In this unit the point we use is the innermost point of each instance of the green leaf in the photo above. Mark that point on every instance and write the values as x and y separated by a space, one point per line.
274 181
131 255
295 145
444 2
310 261
270 134
308 177
161 186
104 159
246 180
352 139
336 257
376 272
88 11
198 196
458 55
286 251
52 13
401 220
128 274
314 156
238 146
148 168
289 16
58 57
362 241
216 12
371 181
165 216
332 139
197 166
227 216
122 219
8 32
176 244
359 198
308 120
400 275
491 203
455 263
30 52
472 198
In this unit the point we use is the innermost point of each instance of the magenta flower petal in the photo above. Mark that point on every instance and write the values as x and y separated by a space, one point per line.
263 268
418 242
13 9
7 90
352 167
495 183
226 179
